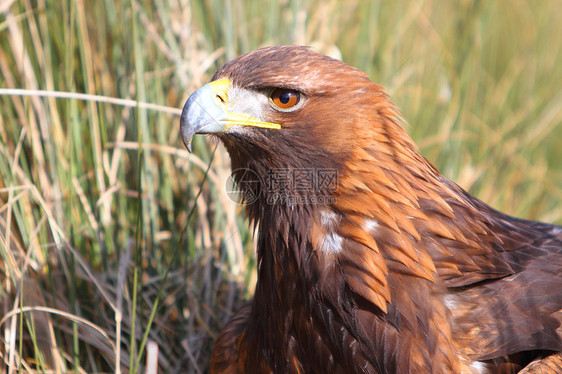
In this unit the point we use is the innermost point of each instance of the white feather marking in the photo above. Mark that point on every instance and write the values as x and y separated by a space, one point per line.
478 367
371 225
450 301
329 218
332 242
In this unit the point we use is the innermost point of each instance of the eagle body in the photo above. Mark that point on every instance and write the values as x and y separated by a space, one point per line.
369 260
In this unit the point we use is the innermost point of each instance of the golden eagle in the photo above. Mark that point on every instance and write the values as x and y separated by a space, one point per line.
369 260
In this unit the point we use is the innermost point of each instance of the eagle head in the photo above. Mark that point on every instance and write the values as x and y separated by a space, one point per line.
287 109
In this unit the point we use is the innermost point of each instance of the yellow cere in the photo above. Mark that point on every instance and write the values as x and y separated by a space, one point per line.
220 89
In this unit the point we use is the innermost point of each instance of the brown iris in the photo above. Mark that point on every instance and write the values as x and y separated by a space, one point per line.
284 98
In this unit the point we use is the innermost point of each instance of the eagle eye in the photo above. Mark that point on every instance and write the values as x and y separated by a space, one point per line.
284 99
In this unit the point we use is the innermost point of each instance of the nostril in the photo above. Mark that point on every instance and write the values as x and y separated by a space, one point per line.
220 99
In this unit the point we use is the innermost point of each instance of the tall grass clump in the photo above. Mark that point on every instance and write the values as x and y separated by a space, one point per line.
119 248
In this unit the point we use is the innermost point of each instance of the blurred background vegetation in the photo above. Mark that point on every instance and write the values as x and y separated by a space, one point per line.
114 239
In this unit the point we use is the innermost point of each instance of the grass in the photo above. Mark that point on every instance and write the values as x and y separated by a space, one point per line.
114 239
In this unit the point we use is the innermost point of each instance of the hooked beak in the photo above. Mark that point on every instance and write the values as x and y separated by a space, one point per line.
206 112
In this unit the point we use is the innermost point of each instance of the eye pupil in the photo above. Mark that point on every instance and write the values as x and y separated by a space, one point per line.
283 98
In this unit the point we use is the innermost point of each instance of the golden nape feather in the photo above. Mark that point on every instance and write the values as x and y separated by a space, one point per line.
369 261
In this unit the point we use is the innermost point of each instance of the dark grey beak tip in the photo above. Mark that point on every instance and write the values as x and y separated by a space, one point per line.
200 115
187 131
